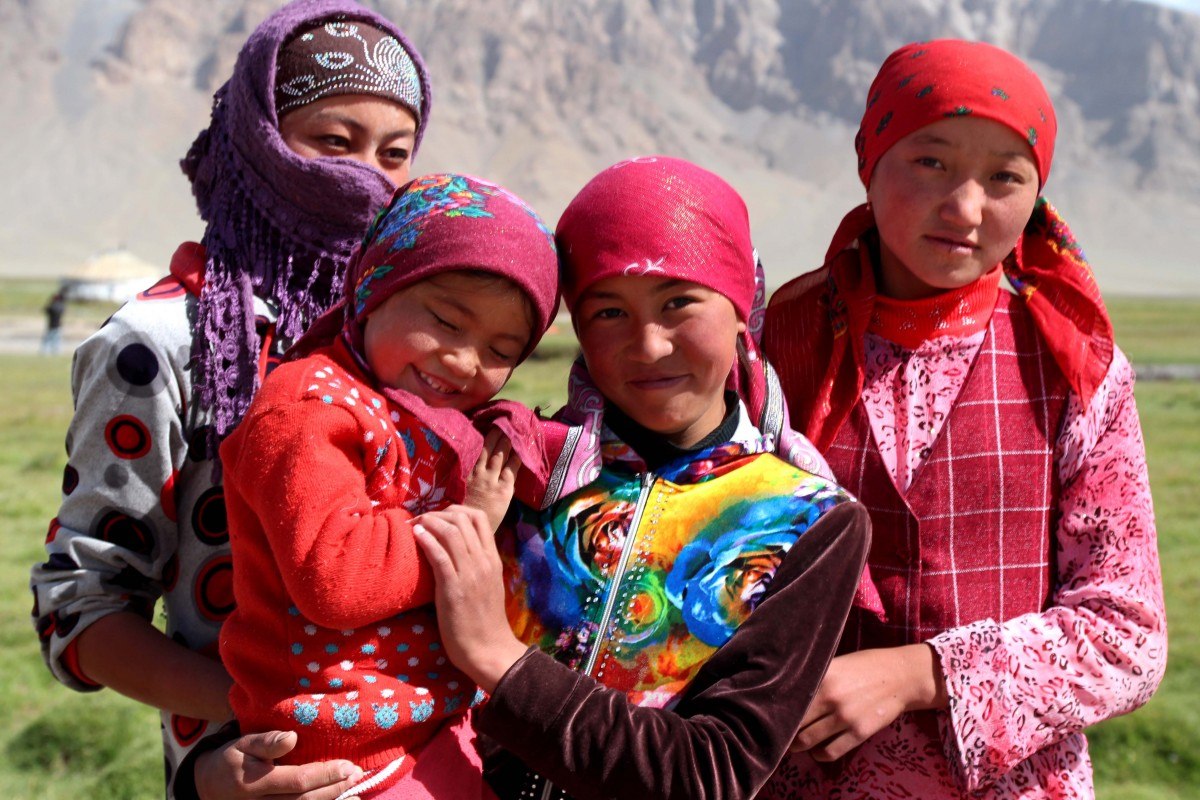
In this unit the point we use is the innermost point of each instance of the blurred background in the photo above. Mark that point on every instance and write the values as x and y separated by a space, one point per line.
101 98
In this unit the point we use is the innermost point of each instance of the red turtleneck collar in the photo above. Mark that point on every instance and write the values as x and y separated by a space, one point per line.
958 313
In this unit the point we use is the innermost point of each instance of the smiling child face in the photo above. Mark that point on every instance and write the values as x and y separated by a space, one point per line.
661 350
950 200
452 340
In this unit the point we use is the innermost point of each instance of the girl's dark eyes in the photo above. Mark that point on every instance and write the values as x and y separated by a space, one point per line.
677 303
607 313
395 154
1003 176
335 141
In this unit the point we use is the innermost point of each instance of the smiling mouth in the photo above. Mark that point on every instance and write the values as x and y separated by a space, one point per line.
436 384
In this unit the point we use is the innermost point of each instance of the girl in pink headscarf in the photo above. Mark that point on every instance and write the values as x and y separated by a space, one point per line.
676 589
1016 594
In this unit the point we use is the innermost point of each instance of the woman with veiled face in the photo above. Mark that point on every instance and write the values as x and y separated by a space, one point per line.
326 107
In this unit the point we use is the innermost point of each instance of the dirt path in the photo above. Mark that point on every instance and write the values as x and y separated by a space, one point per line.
23 334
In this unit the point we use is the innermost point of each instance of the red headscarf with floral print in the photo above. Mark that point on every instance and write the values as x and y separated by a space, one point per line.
815 325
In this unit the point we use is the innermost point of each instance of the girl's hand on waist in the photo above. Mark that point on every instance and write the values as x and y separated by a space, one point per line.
461 548
863 692
246 768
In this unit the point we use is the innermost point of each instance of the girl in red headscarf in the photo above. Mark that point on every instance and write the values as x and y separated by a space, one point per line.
1015 594
677 596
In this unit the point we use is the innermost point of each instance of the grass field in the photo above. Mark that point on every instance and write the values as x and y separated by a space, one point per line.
58 744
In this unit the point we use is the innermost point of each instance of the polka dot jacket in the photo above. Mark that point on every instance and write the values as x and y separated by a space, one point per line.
334 635
141 519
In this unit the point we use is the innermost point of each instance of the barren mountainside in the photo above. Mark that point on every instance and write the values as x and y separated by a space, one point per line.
104 96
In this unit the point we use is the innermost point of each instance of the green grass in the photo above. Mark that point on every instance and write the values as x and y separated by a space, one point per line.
56 744
25 296
1153 753
53 743
1156 331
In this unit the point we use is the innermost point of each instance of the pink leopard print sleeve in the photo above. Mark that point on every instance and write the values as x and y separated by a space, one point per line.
1100 649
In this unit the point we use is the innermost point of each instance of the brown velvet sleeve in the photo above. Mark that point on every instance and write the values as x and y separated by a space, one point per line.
733 725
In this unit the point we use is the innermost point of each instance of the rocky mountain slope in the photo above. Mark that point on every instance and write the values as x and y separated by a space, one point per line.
103 97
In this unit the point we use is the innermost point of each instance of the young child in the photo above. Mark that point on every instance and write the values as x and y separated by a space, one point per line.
688 587
297 160
358 437
994 438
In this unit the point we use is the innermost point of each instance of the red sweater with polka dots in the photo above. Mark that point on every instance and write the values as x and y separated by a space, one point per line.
334 634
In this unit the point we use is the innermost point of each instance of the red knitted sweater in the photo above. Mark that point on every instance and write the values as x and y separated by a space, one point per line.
334 635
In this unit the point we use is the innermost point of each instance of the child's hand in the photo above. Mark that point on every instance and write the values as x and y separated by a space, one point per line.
461 547
246 768
863 692
490 487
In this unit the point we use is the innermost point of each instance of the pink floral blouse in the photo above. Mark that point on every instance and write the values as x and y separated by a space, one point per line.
1021 690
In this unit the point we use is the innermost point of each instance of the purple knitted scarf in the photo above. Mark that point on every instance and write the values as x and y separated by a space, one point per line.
279 227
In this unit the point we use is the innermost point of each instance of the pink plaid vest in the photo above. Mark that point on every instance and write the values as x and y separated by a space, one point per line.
972 537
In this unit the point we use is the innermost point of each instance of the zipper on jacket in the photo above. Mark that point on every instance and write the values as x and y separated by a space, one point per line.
613 587
615 584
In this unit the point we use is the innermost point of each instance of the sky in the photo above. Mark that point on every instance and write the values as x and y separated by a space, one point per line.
1184 5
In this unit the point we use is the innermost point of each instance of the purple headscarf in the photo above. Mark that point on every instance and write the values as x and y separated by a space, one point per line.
279 226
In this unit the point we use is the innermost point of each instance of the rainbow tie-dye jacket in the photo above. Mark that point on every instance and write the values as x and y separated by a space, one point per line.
638 578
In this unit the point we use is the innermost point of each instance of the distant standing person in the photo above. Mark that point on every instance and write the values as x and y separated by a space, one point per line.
308 140
52 339
993 437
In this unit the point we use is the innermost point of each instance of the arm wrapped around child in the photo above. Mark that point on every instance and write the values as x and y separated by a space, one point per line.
732 725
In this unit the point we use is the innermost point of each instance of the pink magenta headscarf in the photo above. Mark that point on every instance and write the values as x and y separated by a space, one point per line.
434 225
816 324
660 216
